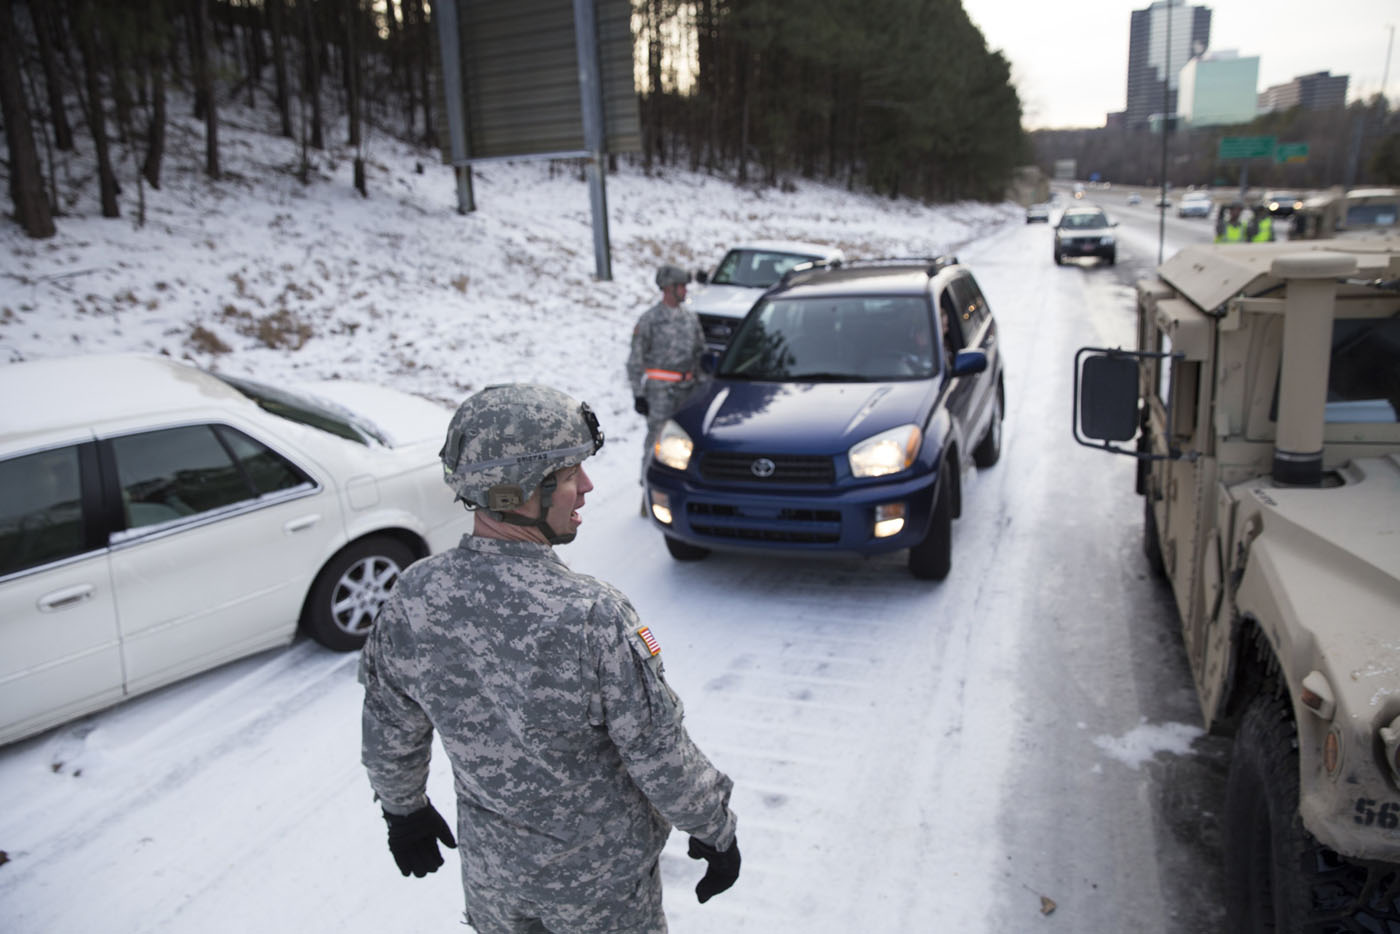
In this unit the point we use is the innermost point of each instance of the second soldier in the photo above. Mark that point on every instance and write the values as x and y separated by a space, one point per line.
663 366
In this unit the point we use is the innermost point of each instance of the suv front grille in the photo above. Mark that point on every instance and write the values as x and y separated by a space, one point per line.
756 524
727 467
718 329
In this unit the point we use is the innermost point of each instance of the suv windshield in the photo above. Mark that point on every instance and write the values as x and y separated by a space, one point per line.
1084 221
834 339
756 269
314 412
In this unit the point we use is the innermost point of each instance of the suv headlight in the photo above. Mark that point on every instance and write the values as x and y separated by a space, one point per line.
1107 239
673 446
886 453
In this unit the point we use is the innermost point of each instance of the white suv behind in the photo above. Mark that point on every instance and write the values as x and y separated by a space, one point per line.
748 270
1195 204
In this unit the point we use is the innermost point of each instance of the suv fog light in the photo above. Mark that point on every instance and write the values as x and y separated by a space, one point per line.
661 507
889 519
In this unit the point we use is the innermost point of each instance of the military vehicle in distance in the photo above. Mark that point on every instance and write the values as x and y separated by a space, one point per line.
1338 213
1263 405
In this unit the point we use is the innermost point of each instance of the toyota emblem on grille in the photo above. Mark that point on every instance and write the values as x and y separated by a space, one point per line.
763 468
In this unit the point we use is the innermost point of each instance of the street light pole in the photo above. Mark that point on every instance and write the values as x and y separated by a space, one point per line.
1166 123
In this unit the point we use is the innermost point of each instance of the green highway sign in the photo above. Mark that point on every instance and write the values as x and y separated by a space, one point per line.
1291 152
1247 147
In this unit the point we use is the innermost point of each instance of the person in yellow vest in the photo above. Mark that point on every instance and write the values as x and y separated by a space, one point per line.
1262 224
1230 229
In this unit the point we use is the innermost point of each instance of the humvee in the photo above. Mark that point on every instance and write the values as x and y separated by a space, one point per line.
1337 213
1263 405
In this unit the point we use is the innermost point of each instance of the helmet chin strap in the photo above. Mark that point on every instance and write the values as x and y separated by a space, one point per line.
547 487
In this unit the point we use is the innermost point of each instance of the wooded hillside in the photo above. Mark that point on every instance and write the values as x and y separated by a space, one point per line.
896 96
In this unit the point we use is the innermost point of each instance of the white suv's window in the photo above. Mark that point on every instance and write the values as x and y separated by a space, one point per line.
41 509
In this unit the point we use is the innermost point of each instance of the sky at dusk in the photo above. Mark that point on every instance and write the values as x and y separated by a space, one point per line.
1070 61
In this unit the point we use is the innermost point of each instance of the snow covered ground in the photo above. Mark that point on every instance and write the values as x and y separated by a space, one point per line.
876 726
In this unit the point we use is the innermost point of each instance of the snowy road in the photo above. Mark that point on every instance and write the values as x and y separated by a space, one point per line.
907 756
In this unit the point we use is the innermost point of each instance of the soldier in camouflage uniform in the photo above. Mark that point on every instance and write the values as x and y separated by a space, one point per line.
570 760
664 364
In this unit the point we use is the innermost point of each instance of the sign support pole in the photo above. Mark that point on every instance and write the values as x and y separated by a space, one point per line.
590 83
445 13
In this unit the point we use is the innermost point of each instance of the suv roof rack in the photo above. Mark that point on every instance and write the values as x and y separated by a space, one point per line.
812 265
932 264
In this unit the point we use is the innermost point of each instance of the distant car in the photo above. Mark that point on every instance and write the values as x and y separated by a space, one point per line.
726 294
157 520
1195 204
1085 231
842 418
1134 198
1038 212
1282 203
1163 202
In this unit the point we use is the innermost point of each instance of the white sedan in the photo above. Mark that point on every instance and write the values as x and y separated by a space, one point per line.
157 520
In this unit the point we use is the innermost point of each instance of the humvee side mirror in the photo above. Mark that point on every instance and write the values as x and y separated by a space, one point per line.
1106 400
1108 397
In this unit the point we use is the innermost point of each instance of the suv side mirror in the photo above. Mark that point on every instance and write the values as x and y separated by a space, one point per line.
968 362
1108 397
702 276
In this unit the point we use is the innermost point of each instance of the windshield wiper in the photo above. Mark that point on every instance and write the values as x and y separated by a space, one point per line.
826 377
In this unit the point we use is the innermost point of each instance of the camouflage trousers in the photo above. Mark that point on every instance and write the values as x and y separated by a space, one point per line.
629 907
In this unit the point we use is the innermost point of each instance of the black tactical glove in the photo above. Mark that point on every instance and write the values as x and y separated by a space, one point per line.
413 839
723 869
640 404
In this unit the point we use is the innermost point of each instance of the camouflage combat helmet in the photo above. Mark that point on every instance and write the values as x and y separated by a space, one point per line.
671 275
506 441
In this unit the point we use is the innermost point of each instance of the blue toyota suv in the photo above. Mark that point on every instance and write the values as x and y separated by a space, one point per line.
842 417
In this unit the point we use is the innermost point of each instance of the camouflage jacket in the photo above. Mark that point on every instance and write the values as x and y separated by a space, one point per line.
567 748
665 338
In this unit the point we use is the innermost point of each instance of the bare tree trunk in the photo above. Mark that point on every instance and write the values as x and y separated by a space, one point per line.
352 72
53 81
276 25
425 40
198 51
393 45
252 29
311 64
26 179
121 95
205 81
155 131
97 120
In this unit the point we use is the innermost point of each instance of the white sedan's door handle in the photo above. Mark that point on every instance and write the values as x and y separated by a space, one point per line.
61 599
300 524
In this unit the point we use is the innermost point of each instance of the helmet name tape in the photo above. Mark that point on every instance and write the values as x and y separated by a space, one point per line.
531 458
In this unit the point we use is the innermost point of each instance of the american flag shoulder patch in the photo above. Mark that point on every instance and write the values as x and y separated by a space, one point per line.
653 646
